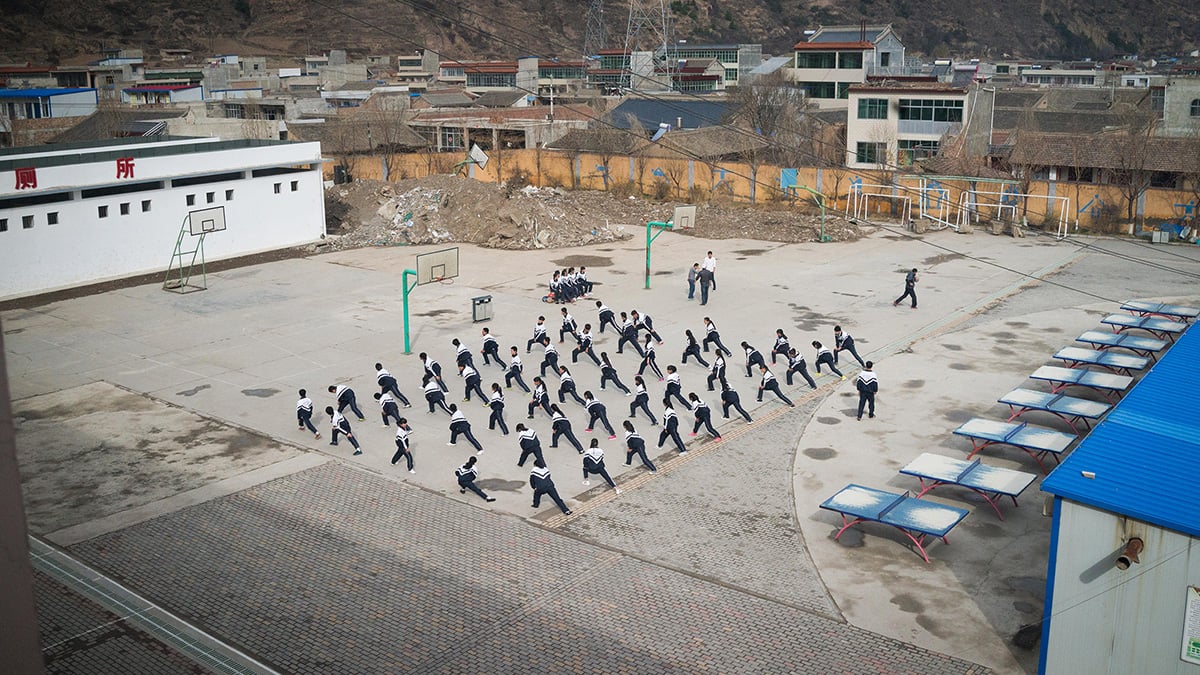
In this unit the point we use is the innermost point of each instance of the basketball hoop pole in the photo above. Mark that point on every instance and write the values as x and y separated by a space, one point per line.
651 235
407 289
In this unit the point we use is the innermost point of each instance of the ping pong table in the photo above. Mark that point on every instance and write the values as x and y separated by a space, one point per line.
1173 312
1060 378
1142 346
1163 329
1067 408
915 518
1121 364
990 482
1036 442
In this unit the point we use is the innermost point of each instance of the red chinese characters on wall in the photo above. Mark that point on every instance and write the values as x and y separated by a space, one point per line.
26 178
124 167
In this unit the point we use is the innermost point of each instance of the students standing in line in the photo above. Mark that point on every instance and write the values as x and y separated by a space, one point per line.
843 342
460 425
550 357
711 335
636 445
597 411
466 475
674 387
730 399
497 406
543 484
593 465
530 445
769 383
387 407
540 397
641 400
566 385
515 367
569 327
796 364
462 354
670 427
703 416
341 425
717 371
539 334
781 345
693 276
644 322
824 356
491 349
753 358
387 384
471 382
649 358
629 334
435 397
867 384
585 345
304 410
345 398
402 447
910 288
608 372
692 348
561 426
607 318
433 371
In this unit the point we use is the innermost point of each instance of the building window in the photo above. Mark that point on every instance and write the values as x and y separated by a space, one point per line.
850 60
191 200
819 89
914 150
229 195
125 209
936 110
295 185
52 218
278 187
872 108
27 222
843 90
102 211
145 206
1195 112
870 153
3 224
885 59
1158 101
210 197
816 59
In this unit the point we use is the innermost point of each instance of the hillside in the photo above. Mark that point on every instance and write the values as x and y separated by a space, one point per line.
61 30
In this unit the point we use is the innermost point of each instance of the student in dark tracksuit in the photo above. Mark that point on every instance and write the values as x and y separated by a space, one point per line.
569 327
703 416
842 342
674 386
796 364
711 335
539 333
433 371
540 399
769 383
460 425
345 398
550 357
462 354
543 484
515 367
636 445
530 445
597 411
867 385
608 372
641 400
670 427
824 356
387 407
716 371
341 425
629 334
304 410
402 448
781 345
491 349
753 358
466 475
585 345
497 405
387 384
561 426
566 385
910 288
692 348
471 381
435 397
644 322
593 465
607 318
730 399
649 359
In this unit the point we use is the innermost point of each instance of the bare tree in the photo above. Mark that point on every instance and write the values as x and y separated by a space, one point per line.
610 142
1132 149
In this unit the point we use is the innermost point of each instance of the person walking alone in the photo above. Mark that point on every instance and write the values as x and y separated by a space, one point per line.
910 288
867 384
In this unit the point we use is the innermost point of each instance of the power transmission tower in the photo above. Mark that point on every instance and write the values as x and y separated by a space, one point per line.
595 38
649 30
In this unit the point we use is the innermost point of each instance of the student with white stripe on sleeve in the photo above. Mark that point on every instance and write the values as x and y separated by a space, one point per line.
543 484
824 356
597 411
550 357
530 445
753 358
716 371
569 327
844 343
674 388
608 372
462 354
796 365
641 400
769 383
585 345
304 410
692 348
433 371
566 385
402 447
491 349
562 427
460 425
435 397
387 407
607 318
345 398
471 381
636 445
539 332
466 475
867 384
497 406
711 335
341 425
515 368
730 399
670 427
703 416
781 345
593 465
387 384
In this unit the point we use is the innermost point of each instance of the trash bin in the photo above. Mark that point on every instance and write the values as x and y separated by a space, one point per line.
481 308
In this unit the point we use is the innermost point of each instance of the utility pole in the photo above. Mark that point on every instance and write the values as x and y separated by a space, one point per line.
649 29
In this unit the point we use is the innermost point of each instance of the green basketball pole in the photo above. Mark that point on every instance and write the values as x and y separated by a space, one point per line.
407 289
651 235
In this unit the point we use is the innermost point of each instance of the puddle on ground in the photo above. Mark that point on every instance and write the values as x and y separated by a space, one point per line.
953 348
750 251
940 258
499 484
958 415
914 384
194 390
962 366
1003 335
435 312
820 453
829 420
260 393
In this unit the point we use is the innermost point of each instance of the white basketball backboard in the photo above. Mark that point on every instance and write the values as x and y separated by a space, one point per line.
206 221
685 217
437 266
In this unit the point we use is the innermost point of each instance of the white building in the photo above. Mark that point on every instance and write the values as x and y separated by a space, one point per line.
895 123
835 57
86 212
162 94
32 104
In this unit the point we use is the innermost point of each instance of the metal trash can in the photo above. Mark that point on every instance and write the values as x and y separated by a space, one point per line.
481 308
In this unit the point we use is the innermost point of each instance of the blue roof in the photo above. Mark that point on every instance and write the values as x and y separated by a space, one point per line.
32 93
1144 454
651 112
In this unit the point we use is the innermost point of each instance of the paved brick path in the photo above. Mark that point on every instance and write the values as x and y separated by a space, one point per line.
334 570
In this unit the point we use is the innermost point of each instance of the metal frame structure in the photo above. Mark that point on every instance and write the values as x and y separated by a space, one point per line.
180 275
858 203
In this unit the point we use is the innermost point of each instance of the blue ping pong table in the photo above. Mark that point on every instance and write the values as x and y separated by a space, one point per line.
1142 346
1037 442
915 518
1173 312
990 482
1163 329
1121 364
1067 408
1060 378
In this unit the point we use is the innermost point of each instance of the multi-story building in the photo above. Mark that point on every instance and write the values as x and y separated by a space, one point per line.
737 60
892 124
835 57
31 104
162 95
417 70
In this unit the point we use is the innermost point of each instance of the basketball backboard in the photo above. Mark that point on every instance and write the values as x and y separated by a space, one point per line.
685 217
206 221
437 266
